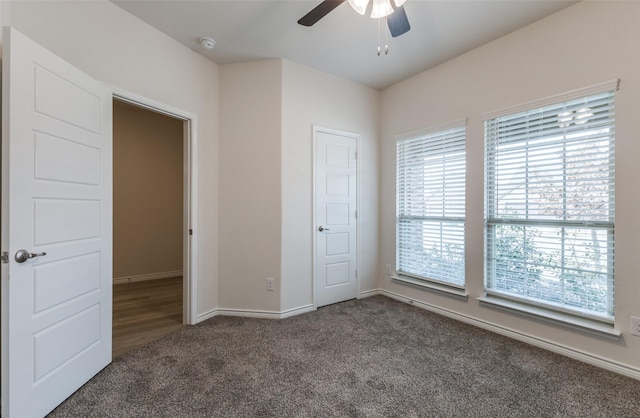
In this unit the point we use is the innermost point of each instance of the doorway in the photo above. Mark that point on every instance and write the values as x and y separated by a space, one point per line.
335 216
149 232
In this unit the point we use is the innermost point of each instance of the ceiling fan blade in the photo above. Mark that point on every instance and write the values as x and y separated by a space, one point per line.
319 12
398 22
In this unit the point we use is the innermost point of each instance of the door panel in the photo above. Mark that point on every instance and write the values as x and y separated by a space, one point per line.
338 274
62 160
65 101
337 244
56 180
65 280
335 213
64 341
337 185
81 219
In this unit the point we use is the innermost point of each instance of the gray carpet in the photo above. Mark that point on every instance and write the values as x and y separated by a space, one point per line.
374 357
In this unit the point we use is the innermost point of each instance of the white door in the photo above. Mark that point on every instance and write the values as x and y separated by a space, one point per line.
56 205
335 217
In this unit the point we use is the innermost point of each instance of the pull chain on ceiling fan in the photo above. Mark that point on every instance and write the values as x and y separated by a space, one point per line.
386 40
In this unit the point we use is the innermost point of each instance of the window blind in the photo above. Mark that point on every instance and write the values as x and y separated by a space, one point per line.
431 169
549 205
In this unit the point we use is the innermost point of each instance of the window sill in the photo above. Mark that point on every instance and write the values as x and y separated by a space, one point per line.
435 287
585 325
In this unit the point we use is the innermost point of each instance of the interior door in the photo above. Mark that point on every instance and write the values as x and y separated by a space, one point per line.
335 217
56 228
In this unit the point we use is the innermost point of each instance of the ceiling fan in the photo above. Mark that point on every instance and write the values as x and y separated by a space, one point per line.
393 10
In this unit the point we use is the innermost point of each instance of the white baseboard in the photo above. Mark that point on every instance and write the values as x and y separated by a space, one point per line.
297 311
206 315
145 277
597 361
250 313
369 293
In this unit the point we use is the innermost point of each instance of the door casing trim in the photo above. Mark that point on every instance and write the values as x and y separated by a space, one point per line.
316 129
190 194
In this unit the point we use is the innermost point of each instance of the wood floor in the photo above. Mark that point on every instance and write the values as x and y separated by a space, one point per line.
144 312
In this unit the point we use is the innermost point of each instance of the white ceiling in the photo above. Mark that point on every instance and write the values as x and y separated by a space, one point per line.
342 43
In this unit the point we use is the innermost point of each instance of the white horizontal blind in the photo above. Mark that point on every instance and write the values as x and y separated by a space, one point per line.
549 195
430 189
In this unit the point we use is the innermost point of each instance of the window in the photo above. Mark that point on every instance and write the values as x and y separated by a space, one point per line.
430 189
549 196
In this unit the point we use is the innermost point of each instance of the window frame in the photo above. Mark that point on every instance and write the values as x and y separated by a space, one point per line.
536 306
458 128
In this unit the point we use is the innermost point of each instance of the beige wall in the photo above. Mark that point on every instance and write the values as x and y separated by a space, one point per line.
585 44
250 193
147 192
267 112
118 49
310 98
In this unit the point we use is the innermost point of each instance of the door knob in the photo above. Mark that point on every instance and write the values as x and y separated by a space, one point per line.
322 228
24 255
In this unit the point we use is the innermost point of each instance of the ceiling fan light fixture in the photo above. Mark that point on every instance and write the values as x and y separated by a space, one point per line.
359 6
391 10
381 8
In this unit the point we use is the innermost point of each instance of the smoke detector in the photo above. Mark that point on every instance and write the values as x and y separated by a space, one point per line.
207 42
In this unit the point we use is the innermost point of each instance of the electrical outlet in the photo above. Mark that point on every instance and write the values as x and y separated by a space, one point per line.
635 326
389 272
270 285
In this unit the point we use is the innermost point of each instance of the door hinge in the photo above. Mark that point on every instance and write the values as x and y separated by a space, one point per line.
356 155
356 274
190 231
4 257
356 214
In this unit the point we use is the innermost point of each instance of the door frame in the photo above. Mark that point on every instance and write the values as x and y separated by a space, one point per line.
316 129
190 194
